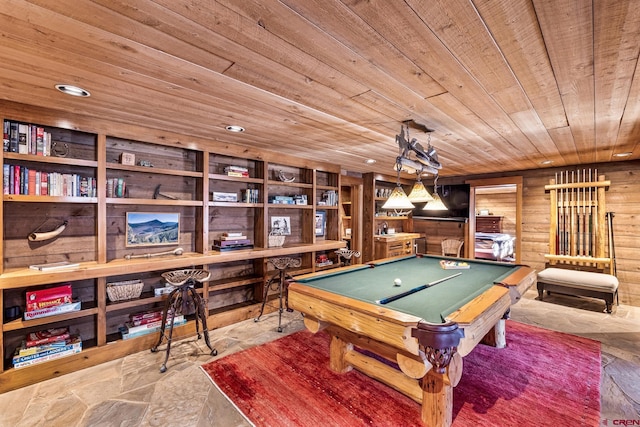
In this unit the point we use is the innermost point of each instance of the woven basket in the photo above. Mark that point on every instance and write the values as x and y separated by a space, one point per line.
276 240
120 291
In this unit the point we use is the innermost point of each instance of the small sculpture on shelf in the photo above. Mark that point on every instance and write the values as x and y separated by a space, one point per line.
282 177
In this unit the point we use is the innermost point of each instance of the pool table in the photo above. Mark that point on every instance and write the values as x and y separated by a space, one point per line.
424 323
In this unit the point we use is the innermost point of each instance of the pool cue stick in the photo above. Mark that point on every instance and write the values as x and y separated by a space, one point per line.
572 220
612 246
578 214
561 231
414 290
590 217
557 196
584 220
595 216
565 235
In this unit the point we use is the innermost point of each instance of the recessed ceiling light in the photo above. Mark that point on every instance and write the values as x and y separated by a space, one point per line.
625 154
73 90
546 162
234 128
370 161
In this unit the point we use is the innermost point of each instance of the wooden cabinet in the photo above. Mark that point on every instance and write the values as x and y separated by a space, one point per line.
390 245
489 224
115 171
376 190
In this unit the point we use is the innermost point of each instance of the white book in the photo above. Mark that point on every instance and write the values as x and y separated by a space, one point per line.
54 265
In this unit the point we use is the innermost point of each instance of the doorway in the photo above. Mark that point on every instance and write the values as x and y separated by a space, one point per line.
495 219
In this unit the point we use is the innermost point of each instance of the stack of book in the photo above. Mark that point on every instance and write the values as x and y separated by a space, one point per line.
45 345
236 171
147 323
250 195
116 187
18 179
232 241
50 301
26 138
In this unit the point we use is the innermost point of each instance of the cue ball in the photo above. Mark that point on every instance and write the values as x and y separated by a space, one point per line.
397 282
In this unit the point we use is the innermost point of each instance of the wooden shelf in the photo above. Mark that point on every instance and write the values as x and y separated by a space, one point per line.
95 238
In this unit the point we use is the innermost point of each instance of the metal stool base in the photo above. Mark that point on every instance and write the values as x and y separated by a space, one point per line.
178 301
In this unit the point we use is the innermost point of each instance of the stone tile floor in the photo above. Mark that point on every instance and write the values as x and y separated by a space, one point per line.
132 392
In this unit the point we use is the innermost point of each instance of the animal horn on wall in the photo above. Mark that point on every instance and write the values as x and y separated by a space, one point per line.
41 236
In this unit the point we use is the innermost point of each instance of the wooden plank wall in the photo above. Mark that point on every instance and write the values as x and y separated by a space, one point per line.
623 198
500 204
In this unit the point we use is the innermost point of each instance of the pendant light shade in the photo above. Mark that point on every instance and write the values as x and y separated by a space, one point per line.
398 200
419 193
435 205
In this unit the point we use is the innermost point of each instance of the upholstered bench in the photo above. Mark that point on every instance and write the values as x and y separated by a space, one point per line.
579 283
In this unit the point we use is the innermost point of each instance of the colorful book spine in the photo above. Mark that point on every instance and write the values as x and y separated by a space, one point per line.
127 335
49 297
51 311
133 329
47 336
6 131
53 353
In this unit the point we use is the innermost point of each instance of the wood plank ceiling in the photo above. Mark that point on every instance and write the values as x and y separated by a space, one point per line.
504 84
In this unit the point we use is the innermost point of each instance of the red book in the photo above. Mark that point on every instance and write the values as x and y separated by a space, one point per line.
32 182
47 336
48 297
44 185
16 179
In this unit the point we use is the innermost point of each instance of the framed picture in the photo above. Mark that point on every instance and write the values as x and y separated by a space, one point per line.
152 229
320 222
281 225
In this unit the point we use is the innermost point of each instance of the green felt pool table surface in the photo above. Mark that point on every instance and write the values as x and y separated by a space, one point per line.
375 281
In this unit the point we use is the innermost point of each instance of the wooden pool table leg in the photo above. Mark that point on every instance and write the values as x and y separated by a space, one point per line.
437 394
497 336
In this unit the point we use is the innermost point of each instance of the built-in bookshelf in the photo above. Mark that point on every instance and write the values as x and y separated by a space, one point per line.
209 188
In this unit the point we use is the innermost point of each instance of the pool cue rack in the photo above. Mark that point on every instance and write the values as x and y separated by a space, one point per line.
578 220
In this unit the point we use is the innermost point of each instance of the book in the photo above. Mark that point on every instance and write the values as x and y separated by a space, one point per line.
239 237
232 247
132 329
51 311
47 336
48 357
128 335
43 298
73 345
145 315
6 130
6 175
23 147
54 265
236 234
235 242
13 137
454 265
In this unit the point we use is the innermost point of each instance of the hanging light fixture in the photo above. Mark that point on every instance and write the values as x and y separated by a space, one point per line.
398 200
436 204
419 193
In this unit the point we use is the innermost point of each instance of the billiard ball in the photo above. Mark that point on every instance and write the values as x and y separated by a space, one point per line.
397 282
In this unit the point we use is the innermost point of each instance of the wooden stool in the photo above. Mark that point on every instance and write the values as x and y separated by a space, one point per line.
347 254
178 302
281 264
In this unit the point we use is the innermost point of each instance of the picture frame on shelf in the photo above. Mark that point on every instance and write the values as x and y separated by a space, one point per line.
281 225
152 229
320 222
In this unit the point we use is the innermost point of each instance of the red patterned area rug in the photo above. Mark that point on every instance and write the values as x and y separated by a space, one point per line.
542 378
